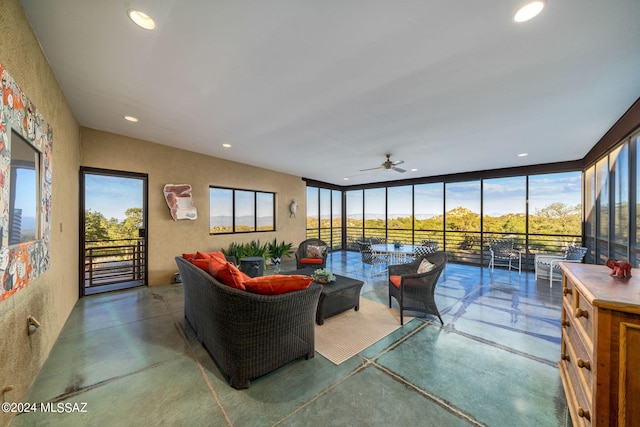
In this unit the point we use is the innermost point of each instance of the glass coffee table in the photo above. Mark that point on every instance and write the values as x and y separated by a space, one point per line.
336 297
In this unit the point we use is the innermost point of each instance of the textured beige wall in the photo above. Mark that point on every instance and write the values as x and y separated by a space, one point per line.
51 296
167 165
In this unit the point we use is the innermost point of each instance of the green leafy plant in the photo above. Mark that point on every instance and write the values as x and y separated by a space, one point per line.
255 248
323 275
279 250
235 250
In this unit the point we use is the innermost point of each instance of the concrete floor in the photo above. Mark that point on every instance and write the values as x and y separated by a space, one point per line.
129 356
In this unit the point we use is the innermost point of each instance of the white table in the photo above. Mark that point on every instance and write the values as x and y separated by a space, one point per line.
400 255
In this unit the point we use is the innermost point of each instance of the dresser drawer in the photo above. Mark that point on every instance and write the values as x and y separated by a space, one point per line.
568 289
579 360
578 399
583 314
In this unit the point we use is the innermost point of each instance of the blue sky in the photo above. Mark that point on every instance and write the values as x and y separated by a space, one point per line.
112 196
26 194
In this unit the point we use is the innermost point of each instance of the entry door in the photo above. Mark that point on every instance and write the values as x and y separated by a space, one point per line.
113 233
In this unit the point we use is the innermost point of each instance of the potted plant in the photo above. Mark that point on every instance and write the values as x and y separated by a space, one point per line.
277 251
235 250
255 249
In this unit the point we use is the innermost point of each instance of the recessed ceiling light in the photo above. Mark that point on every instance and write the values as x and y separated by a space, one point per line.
141 19
131 119
529 11
414 169
346 179
226 145
523 154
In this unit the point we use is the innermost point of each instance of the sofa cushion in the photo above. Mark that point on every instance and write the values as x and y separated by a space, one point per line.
315 261
315 251
395 280
189 256
277 284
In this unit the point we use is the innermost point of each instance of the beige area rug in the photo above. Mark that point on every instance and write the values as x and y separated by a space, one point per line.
347 334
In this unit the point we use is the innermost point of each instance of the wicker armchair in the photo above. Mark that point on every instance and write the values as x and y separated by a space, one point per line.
415 291
248 335
306 259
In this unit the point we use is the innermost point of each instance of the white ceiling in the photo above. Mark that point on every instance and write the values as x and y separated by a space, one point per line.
322 89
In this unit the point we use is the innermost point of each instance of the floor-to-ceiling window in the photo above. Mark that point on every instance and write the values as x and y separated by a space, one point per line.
542 212
462 221
354 221
429 213
324 216
611 210
504 207
400 214
375 224
555 213
602 211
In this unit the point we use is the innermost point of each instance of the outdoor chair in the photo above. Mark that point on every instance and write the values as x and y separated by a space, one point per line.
427 247
370 257
502 251
416 291
311 253
548 265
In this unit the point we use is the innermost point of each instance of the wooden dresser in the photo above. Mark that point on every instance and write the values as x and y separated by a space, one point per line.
600 357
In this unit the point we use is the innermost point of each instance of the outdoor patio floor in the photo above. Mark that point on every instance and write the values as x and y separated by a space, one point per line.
129 356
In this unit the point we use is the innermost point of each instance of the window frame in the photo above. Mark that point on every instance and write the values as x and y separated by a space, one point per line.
256 204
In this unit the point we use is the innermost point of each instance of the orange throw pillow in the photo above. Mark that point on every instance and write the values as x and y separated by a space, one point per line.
222 271
200 263
277 284
189 256
237 277
217 254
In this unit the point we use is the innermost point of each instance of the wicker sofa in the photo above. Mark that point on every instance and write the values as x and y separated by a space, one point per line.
248 335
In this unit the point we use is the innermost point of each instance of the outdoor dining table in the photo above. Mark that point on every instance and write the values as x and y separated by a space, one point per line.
396 255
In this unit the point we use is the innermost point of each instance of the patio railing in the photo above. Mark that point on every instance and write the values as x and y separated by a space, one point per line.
114 261
469 247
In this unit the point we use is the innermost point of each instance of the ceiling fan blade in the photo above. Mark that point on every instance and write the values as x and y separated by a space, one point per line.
398 169
370 169
398 162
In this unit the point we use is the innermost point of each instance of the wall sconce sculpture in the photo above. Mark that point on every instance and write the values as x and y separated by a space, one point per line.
293 208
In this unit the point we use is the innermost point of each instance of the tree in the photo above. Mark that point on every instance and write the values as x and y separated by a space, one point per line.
557 218
95 226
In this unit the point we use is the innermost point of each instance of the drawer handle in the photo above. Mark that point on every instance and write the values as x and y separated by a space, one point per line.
564 357
584 413
584 364
565 323
566 291
581 313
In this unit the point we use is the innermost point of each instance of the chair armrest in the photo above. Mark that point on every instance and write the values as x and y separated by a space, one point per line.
548 257
403 269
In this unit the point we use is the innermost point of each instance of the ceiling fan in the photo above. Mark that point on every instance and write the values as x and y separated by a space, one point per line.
388 165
